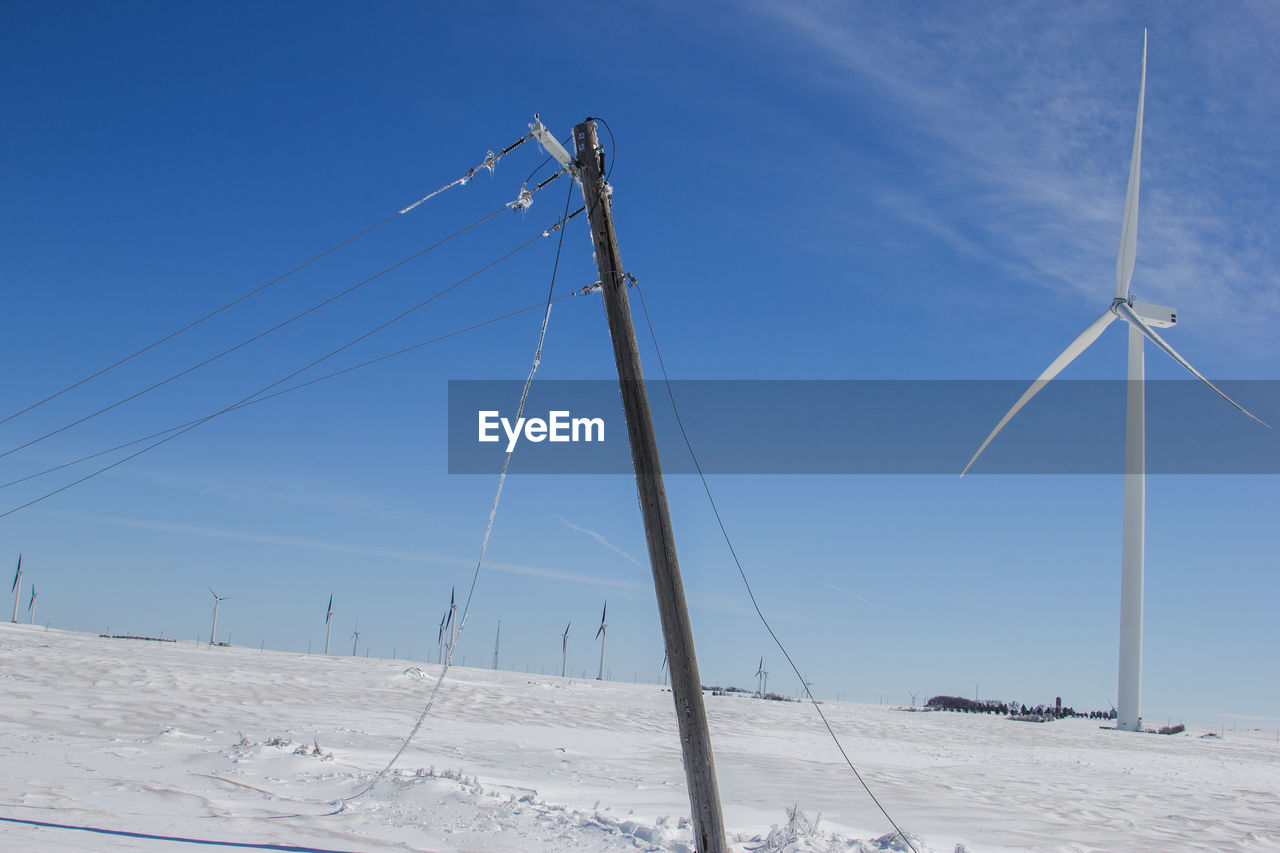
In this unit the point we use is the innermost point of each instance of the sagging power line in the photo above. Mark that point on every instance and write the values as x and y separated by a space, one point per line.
490 162
521 202
591 288
545 233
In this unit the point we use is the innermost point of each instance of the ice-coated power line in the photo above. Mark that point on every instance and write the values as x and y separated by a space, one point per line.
488 531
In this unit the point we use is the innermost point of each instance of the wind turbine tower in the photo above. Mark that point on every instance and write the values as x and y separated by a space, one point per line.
217 600
31 606
602 634
1141 317
762 678
444 620
328 624
17 589
564 650
453 624
496 641
355 639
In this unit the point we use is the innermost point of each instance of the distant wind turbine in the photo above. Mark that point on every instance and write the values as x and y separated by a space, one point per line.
355 637
440 635
1141 317
31 606
453 625
328 624
17 589
447 627
564 650
496 641
217 600
664 669
602 634
762 678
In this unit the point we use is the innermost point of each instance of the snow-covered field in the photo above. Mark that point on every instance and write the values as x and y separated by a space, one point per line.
132 745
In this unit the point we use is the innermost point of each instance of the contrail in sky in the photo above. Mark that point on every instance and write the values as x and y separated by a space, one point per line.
356 549
596 536
851 595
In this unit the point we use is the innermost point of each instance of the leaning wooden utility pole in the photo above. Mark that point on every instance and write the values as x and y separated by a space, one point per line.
686 686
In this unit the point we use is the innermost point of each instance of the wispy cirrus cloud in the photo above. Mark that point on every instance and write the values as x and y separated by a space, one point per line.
1020 123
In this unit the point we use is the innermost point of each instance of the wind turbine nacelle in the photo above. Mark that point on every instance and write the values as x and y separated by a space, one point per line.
1158 316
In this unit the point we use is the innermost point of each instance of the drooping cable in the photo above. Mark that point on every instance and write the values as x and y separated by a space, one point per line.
369 363
747 584
300 370
244 343
489 162
447 662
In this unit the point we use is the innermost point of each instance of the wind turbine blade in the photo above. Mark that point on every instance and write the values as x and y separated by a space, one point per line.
600 631
1129 230
211 592
1079 345
1128 313
17 575
603 612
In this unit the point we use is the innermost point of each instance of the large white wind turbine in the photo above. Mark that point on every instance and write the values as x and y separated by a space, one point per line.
217 600
17 589
328 624
1141 317
602 634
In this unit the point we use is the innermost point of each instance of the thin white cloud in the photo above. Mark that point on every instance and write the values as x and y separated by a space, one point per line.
354 549
599 538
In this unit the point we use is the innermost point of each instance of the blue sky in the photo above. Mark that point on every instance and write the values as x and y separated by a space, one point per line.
805 190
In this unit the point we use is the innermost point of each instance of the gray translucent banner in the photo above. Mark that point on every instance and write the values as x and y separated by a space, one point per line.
864 427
